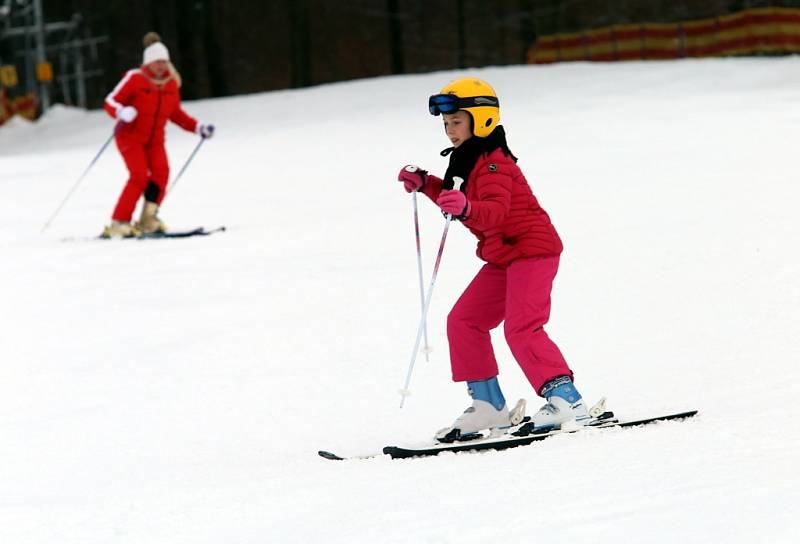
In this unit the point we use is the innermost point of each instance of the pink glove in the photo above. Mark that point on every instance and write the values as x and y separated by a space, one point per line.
412 177
454 202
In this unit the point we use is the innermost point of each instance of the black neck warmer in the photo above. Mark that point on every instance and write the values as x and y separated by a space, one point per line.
464 157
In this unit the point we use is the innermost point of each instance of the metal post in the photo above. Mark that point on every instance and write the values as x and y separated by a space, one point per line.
65 91
30 62
44 91
80 77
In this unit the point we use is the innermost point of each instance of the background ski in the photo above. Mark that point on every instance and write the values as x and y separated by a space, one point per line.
510 441
199 231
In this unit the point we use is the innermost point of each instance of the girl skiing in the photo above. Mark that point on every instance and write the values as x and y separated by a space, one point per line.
142 103
485 189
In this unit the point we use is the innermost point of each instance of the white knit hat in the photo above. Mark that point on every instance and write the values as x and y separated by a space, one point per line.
154 52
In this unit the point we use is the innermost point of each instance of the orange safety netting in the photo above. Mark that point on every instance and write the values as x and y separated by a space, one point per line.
749 32
24 106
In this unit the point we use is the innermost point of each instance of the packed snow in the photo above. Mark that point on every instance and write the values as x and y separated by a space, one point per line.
178 390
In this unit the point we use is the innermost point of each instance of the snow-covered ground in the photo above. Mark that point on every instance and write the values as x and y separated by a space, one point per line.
177 391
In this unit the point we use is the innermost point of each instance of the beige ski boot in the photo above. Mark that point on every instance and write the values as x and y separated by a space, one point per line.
149 222
120 229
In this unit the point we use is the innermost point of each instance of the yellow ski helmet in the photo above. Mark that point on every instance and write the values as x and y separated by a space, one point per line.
472 95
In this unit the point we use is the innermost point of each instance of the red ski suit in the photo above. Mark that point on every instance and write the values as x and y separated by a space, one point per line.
521 248
141 142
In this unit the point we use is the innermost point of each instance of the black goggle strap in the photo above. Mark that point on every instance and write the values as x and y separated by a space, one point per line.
448 103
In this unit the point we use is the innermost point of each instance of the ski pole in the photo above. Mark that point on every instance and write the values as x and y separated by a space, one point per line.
427 348
405 391
80 179
185 165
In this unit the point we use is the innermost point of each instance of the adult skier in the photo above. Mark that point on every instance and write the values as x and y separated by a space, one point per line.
142 102
485 189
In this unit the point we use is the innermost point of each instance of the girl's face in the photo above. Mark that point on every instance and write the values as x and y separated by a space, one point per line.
158 67
457 126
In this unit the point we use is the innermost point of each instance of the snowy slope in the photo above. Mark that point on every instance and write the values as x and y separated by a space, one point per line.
178 390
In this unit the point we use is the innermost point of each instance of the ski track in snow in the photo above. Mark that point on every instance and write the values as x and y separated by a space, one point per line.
178 390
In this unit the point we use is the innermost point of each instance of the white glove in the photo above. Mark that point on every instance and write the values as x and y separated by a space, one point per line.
205 131
126 114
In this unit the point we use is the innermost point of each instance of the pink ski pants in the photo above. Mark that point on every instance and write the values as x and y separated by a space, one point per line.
520 295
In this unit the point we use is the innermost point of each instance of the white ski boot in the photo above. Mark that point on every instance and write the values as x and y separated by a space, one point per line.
482 416
564 409
558 413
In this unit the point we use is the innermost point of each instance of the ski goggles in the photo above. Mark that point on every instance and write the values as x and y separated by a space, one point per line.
449 103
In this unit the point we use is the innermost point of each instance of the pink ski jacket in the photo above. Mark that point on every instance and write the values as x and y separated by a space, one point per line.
504 214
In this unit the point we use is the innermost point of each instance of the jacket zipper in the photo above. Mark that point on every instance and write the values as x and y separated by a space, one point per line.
155 119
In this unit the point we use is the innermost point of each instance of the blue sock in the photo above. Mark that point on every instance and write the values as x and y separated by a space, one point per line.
488 391
561 387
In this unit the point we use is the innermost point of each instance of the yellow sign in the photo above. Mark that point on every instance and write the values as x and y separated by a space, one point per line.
44 72
8 75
